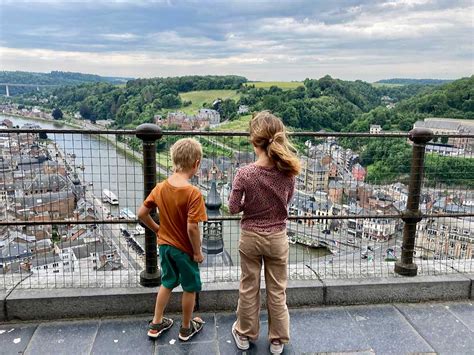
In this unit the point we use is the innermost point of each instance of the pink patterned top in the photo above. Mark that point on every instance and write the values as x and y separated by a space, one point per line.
263 194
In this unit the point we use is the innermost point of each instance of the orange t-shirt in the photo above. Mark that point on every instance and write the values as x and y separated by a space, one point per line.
176 206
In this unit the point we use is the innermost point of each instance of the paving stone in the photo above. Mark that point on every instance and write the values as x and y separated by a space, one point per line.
465 312
387 331
63 338
439 327
208 333
14 338
227 344
207 348
326 330
120 336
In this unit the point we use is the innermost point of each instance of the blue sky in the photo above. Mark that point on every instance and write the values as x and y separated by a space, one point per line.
262 40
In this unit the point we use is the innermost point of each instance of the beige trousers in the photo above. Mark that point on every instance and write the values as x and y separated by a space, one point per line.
272 250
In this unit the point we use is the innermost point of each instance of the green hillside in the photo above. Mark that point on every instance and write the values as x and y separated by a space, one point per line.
201 98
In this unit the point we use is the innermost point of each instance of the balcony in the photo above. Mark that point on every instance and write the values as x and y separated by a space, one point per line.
55 208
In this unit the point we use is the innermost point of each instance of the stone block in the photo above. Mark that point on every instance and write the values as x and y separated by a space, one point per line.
74 337
3 307
305 293
122 336
439 327
79 303
387 330
387 290
464 311
326 330
471 276
14 337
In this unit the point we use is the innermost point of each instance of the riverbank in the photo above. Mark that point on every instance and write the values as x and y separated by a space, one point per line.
73 123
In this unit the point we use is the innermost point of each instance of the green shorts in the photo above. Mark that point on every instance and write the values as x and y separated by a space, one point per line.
177 267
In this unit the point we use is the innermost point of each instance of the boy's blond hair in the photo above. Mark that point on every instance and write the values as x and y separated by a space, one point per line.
184 154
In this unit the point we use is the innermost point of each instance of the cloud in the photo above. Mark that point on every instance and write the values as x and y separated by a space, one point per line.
120 36
365 39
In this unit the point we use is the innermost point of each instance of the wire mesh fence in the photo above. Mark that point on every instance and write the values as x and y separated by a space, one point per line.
69 200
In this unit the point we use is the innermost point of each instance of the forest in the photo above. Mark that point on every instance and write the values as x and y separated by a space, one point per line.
318 104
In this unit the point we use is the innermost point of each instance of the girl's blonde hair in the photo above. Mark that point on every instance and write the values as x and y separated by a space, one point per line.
268 132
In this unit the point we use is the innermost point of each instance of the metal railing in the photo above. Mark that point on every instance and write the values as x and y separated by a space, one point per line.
59 227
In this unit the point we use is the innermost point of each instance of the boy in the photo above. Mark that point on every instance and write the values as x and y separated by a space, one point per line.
181 207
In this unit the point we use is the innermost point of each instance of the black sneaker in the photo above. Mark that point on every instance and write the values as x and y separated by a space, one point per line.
187 333
155 330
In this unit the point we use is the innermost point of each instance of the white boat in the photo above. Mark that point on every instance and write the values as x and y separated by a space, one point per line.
127 213
110 197
139 230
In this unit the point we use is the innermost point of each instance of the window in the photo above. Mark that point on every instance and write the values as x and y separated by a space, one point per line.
56 271
55 264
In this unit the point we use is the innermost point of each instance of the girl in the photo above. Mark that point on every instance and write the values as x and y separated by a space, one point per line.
263 190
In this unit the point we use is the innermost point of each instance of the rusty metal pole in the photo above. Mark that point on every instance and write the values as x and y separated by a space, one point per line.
412 214
149 134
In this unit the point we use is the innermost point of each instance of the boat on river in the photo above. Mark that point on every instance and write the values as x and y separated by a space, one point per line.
127 214
110 197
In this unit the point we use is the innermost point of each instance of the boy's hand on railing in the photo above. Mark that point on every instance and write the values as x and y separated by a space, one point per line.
198 257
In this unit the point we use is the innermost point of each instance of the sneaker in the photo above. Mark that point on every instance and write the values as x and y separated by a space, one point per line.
276 347
155 330
241 341
187 333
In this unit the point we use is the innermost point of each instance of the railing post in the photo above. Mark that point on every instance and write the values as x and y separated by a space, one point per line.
412 214
149 134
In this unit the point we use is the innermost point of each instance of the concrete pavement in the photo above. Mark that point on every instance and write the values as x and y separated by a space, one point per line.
443 328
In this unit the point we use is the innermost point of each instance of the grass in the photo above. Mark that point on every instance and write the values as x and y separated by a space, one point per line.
285 85
237 143
163 159
240 124
198 98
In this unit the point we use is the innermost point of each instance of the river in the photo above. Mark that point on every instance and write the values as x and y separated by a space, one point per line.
105 167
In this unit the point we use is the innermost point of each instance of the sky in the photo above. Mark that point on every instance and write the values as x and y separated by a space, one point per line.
259 39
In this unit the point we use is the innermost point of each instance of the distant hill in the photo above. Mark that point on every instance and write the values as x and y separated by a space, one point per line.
453 100
405 81
59 78
53 78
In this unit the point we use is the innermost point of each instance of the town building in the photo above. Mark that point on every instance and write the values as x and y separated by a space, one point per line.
446 237
375 129
315 175
441 126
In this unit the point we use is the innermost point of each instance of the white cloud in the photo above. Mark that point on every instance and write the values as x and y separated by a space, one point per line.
119 36
402 25
265 67
405 3
269 40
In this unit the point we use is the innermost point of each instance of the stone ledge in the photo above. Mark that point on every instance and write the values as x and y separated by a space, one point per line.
78 303
471 276
3 315
388 290
97 302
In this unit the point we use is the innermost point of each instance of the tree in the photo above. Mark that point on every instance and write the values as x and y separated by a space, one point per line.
85 111
228 109
57 113
55 238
